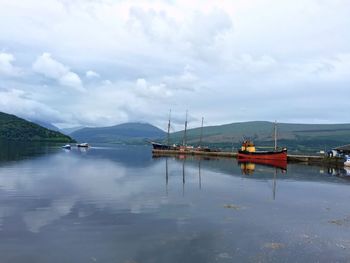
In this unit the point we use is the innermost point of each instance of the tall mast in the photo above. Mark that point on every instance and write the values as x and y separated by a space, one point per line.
201 136
184 141
275 135
168 139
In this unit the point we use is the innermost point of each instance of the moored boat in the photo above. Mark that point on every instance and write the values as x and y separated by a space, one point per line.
248 151
67 146
83 145
161 146
347 161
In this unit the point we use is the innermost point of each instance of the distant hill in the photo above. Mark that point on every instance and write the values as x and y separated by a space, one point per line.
300 137
132 132
68 131
17 129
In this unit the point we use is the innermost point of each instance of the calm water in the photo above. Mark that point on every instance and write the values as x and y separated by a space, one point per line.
118 204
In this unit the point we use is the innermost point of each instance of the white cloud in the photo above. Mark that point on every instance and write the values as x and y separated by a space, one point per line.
6 67
53 69
144 89
92 74
71 79
20 103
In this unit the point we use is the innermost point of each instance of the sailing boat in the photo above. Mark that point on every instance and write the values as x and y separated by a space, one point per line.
160 146
184 146
200 147
248 152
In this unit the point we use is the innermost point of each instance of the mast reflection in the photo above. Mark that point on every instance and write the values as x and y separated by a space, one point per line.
248 167
199 175
183 177
166 175
183 171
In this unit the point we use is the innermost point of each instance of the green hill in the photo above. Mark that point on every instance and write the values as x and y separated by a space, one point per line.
131 133
299 137
17 129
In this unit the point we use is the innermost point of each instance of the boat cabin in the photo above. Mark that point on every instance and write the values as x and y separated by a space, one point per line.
248 146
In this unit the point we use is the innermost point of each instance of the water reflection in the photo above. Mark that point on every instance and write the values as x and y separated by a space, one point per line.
183 169
336 171
109 205
15 151
248 165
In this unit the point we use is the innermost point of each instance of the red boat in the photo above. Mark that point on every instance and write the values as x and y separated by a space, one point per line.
248 152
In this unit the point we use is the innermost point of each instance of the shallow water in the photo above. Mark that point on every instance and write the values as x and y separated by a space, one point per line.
120 204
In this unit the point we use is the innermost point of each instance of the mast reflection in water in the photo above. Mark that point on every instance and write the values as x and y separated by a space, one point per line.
183 161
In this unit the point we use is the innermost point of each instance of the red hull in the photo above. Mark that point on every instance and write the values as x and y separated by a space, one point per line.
278 155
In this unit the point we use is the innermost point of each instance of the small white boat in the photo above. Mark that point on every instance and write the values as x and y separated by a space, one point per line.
347 171
67 146
83 145
347 161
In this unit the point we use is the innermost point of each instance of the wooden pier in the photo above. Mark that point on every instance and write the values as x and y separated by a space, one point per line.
320 160
308 159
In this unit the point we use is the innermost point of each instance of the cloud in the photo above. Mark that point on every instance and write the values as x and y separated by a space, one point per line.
20 103
246 62
185 80
204 56
144 89
6 67
204 28
71 79
92 74
335 68
53 69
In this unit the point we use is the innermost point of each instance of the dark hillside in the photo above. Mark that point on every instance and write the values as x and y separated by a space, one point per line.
17 129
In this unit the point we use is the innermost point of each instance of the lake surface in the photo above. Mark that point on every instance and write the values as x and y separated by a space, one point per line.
120 204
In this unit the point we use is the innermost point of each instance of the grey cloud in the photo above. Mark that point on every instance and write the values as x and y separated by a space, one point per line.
6 65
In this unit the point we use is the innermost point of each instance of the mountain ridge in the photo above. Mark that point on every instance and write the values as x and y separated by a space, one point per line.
130 132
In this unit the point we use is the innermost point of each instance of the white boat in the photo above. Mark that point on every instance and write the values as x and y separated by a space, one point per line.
67 146
347 161
84 145
347 171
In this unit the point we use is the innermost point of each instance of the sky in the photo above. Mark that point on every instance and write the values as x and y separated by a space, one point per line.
105 62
